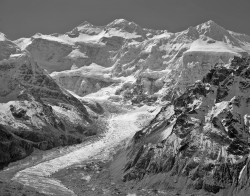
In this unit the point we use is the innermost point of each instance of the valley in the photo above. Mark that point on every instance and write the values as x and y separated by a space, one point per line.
125 110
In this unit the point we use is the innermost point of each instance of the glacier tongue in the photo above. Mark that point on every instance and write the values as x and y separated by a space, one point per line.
121 128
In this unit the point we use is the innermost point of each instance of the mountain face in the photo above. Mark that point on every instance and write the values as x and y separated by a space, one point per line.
199 142
34 111
156 61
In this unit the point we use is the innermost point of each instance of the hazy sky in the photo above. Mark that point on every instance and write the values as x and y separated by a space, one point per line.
24 18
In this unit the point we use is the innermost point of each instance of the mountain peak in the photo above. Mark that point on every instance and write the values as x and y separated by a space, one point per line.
86 28
2 37
211 22
86 24
210 25
212 29
122 24
116 22
120 21
125 25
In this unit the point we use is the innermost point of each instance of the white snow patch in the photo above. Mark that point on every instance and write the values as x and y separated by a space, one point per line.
53 38
200 45
23 42
2 37
166 133
131 194
91 71
120 33
86 177
163 35
77 54
242 170
219 107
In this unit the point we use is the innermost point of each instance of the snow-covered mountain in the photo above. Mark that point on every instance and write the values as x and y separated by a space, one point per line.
128 56
196 140
34 111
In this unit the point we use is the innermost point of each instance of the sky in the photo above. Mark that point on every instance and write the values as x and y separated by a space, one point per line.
24 18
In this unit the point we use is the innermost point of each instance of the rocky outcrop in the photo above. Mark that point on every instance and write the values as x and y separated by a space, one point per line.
17 189
12 148
199 142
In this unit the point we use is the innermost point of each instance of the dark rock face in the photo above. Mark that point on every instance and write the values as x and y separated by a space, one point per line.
18 113
12 148
200 141
137 94
16 145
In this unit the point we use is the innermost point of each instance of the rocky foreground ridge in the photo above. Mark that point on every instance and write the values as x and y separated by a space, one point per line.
200 141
